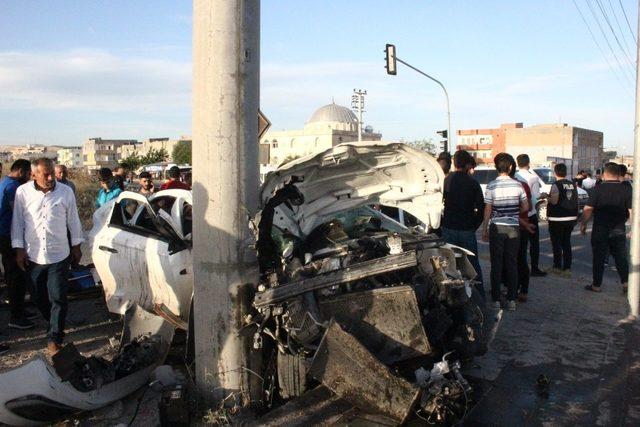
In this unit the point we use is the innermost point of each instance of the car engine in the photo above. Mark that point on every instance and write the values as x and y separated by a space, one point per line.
408 298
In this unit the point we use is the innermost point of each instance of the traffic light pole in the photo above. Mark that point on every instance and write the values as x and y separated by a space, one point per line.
446 94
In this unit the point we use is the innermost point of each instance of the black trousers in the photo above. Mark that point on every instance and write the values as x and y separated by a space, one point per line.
523 265
14 277
604 242
504 242
534 244
560 234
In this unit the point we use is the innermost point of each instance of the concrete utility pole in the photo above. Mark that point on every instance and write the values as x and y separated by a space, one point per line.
634 276
226 97
357 103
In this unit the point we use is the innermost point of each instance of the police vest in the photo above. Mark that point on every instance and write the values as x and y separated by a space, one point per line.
567 207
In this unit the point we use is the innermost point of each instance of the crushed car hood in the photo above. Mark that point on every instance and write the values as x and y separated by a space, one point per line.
354 174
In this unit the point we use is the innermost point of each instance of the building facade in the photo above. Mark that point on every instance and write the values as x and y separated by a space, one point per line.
484 144
546 145
71 157
143 148
328 126
103 153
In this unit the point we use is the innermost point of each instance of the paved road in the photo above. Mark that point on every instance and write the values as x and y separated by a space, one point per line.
578 339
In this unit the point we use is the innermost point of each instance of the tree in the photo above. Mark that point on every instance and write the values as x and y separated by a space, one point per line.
182 152
132 162
154 156
424 144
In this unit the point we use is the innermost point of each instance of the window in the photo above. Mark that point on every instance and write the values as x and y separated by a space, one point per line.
274 143
187 219
165 203
485 176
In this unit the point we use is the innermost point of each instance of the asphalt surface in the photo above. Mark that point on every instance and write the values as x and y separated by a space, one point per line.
577 342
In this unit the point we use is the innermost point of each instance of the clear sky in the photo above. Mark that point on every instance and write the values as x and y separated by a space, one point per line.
70 70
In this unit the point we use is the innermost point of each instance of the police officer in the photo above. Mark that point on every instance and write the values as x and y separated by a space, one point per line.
562 215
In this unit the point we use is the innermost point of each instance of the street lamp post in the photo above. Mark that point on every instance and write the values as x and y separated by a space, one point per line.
391 69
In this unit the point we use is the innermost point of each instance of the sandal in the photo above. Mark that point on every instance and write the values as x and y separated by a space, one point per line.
593 288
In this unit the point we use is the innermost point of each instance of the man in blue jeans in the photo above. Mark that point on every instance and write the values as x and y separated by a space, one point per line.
43 212
463 210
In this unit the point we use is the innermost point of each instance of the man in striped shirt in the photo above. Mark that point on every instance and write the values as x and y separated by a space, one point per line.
504 200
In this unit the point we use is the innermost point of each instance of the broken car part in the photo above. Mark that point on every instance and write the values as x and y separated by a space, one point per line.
346 367
332 278
35 393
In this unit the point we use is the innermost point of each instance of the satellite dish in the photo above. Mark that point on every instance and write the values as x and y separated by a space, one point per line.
368 129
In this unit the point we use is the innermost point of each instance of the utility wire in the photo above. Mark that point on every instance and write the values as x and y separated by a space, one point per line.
625 71
622 33
615 36
595 40
633 36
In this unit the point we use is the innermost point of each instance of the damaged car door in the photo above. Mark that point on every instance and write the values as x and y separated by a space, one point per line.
143 257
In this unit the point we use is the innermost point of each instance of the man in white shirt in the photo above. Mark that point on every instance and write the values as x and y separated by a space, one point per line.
43 212
588 183
533 180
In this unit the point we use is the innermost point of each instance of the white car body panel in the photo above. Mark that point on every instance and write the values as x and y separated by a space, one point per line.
141 269
354 174
37 379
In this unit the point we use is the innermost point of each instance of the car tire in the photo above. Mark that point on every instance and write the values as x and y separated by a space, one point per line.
292 375
542 211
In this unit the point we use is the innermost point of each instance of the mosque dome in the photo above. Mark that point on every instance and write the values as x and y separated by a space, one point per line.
333 113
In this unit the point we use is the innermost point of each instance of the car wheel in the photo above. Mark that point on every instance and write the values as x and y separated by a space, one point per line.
292 375
542 211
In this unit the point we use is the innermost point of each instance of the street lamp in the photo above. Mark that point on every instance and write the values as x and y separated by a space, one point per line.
391 58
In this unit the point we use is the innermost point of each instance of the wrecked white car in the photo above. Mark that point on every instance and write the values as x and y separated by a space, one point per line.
142 253
396 297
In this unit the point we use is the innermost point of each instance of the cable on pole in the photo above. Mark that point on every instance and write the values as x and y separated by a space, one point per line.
633 36
622 33
615 36
595 40
624 71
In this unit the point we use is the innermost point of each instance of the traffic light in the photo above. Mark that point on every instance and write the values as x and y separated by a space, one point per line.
390 59
445 142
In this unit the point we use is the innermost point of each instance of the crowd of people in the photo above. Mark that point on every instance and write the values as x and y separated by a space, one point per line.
41 234
507 216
